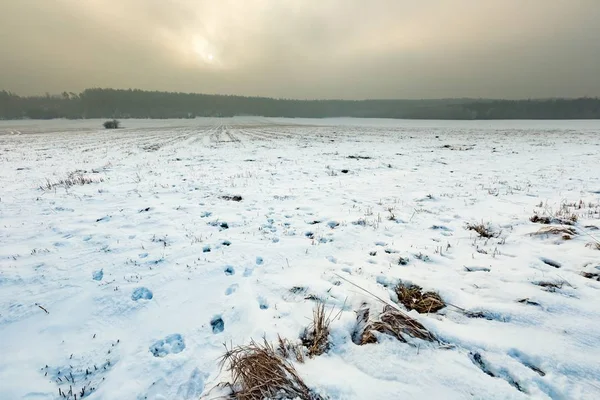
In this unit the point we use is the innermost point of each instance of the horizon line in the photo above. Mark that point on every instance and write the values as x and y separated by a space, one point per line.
306 99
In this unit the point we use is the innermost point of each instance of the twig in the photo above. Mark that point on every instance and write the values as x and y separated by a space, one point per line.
374 295
46 311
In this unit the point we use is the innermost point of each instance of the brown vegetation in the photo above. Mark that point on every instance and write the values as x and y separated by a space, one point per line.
316 336
413 298
483 230
259 373
395 323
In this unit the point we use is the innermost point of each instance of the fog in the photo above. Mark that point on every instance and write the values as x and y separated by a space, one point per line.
347 49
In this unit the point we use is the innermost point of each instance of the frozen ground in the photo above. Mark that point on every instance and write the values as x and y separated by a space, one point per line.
128 286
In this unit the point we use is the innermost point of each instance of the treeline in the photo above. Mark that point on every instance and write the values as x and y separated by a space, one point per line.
112 103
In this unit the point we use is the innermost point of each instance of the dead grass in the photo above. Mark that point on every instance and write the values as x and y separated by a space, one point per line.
316 336
593 245
556 230
395 323
483 230
392 321
259 373
413 298
73 179
569 219
567 213
287 349
232 198
591 275
362 320
540 219
550 286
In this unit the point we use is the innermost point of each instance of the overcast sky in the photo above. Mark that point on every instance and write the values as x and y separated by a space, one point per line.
304 48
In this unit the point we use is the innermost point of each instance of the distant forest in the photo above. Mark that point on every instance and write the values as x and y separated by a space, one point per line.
112 103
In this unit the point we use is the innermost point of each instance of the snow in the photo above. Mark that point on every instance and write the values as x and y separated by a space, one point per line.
132 283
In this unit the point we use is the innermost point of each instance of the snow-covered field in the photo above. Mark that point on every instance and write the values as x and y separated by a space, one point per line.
128 286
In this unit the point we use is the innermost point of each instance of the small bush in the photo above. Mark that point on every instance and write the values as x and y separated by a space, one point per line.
112 124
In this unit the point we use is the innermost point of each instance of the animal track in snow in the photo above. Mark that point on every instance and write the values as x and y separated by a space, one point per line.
98 275
141 293
229 270
217 324
171 344
231 289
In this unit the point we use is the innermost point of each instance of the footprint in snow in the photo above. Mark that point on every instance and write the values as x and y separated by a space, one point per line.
550 262
259 261
217 324
229 270
527 361
193 388
248 272
171 344
262 303
231 289
98 275
141 293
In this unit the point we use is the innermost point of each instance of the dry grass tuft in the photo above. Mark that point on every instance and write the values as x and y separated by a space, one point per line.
287 349
362 320
593 245
569 219
591 275
556 230
413 298
73 179
395 323
483 230
232 198
540 219
259 373
550 286
316 336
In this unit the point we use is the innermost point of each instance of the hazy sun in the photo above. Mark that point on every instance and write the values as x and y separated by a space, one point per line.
203 49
